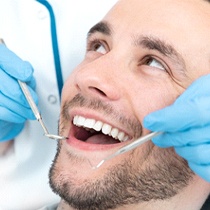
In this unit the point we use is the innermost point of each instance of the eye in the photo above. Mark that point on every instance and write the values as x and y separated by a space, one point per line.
97 46
153 62
101 49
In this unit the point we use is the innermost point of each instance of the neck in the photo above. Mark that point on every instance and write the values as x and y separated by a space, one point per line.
190 198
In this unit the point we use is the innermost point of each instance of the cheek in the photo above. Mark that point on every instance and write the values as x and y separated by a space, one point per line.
69 89
154 97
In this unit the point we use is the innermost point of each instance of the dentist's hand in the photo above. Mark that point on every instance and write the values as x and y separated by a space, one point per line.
186 126
14 109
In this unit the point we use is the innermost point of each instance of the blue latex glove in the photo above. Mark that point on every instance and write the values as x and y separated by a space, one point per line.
186 126
14 109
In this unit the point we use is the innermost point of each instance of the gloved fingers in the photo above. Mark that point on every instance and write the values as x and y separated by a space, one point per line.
10 88
180 117
17 108
14 66
13 112
197 88
197 154
191 137
32 84
9 130
9 116
201 170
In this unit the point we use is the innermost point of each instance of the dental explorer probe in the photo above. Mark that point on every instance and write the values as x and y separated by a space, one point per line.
34 108
130 146
36 111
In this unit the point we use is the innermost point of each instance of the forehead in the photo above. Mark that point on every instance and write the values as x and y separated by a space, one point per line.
152 14
183 23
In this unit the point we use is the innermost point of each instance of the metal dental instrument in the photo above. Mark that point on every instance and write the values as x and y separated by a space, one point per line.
130 146
35 109
36 112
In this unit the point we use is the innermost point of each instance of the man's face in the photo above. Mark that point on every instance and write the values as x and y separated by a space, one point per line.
139 59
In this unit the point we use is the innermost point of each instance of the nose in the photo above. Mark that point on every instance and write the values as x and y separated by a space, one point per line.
97 79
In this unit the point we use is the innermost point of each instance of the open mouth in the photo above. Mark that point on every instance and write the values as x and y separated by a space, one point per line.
97 132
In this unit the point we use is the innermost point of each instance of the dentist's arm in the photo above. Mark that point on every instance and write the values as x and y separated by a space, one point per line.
14 109
186 126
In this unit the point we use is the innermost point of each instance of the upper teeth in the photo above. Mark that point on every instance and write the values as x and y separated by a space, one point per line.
100 126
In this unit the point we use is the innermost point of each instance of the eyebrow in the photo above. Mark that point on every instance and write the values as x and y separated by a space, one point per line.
101 27
154 43
148 42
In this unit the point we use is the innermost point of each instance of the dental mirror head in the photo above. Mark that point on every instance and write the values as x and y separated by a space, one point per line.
52 136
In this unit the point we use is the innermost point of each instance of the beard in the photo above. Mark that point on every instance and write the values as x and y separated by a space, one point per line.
161 175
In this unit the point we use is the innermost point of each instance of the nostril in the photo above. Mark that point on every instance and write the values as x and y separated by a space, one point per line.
93 89
97 91
77 86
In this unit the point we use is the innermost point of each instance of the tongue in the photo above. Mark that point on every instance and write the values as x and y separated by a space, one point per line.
101 139
93 138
